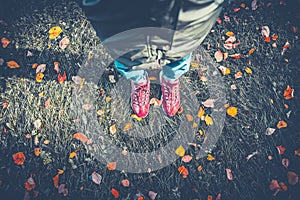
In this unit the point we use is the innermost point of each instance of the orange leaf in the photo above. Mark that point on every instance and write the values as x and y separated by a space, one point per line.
267 39
115 193
274 37
210 157
19 158
61 78
184 171
156 102
111 166
72 154
12 64
251 51
125 182
283 186
201 112
199 168
209 197
229 33
39 77
55 180
37 151
180 110
5 42
288 93
232 111
281 124
127 127
243 5
34 65
81 137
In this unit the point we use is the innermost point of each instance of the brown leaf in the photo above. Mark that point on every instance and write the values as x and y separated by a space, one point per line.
292 178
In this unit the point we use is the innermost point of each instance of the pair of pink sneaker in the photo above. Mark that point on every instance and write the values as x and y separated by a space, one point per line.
140 97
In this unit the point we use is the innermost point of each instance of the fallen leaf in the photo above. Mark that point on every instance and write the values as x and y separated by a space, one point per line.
111 166
208 120
60 171
12 64
288 93
238 75
47 102
180 151
46 142
265 31
229 174
292 178
5 42
37 151
1 61
285 47
218 56
274 185
201 112
37 124
229 33
285 162
125 182
270 131
56 180
81 137
243 5
107 99
96 178
72 155
274 37
281 149
115 193
39 77
29 184
283 186
189 117
63 190
63 43
199 168
297 152
180 110
251 155
251 51
87 106
134 116
186 158
56 66
127 127
61 78
281 124
224 70
54 32
248 70
236 10
40 68
210 157
235 56
209 197
232 111
218 197
156 102
113 129
184 171
152 195
209 103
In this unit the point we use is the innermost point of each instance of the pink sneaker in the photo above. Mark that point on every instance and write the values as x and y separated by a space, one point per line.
170 96
140 97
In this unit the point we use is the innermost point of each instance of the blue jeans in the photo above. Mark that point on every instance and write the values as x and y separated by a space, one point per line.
170 71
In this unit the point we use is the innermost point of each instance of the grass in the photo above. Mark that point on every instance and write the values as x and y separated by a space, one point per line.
258 97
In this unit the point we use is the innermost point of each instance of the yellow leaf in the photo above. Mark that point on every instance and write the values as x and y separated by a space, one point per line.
200 132
210 157
12 64
224 70
229 33
208 120
195 125
127 126
194 64
134 116
54 32
107 99
248 70
232 111
72 155
180 151
42 94
201 112
37 151
46 141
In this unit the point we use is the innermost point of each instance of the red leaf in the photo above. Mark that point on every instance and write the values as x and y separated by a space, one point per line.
61 78
55 180
281 149
115 193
